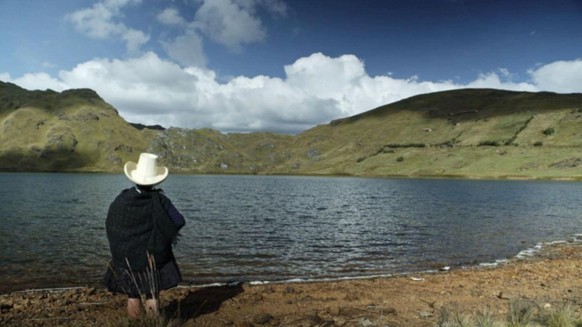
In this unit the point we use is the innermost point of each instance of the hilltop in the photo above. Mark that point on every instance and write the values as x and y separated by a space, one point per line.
70 131
475 133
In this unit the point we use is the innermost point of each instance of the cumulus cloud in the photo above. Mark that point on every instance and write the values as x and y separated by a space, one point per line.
171 17
315 90
103 21
38 81
186 49
275 6
229 23
232 23
559 76
496 81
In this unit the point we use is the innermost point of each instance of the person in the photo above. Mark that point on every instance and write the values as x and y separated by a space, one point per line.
142 226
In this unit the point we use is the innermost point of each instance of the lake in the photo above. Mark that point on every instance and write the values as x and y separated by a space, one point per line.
274 228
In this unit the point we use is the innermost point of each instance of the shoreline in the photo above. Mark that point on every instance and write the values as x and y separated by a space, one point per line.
550 278
469 177
522 255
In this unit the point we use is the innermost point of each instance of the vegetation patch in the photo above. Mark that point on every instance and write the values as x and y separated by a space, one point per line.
521 313
549 131
407 145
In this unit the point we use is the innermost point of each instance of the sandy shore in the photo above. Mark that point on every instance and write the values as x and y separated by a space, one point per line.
550 279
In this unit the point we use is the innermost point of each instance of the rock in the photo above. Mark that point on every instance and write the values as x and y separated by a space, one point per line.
333 310
262 318
366 322
503 296
339 321
425 314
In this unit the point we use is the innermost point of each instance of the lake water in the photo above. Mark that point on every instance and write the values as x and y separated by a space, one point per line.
267 228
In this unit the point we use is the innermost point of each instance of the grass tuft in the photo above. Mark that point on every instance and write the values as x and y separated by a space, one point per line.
454 318
124 321
521 313
562 317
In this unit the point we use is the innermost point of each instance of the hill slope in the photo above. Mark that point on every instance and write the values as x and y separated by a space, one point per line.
70 131
478 133
469 133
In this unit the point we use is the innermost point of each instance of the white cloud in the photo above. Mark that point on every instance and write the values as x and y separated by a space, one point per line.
38 81
187 50
345 81
134 39
230 22
171 17
494 81
145 84
275 6
559 76
95 22
315 90
102 21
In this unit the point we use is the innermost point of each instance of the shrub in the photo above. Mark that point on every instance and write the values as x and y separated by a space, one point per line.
549 131
455 318
520 313
406 145
562 317
489 143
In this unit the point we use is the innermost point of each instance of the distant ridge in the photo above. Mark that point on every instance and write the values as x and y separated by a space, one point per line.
461 103
467 133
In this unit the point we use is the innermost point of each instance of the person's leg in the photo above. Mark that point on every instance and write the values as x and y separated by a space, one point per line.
133 307
153 307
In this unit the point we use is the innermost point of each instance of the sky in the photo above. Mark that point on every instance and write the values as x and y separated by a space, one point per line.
285 65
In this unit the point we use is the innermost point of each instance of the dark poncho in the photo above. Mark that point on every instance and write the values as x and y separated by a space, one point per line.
140 235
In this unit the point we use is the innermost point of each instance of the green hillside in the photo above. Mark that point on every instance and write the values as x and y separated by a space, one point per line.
70 131
475 133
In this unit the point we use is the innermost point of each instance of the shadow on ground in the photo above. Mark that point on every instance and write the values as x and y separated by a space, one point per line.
201 301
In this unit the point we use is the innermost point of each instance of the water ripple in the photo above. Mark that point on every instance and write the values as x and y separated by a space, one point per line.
277 228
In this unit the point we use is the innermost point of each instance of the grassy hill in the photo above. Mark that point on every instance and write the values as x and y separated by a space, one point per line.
465 133
70 131
475 133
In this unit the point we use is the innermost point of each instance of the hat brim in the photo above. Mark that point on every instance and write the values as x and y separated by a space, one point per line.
131 167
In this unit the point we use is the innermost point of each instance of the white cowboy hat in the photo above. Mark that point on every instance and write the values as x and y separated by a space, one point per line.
146 172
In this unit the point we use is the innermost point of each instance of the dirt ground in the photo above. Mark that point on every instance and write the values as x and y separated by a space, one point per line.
549 279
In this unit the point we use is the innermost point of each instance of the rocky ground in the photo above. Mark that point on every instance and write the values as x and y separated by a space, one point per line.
548 280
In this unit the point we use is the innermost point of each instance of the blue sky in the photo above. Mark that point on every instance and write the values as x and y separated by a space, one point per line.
285 66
